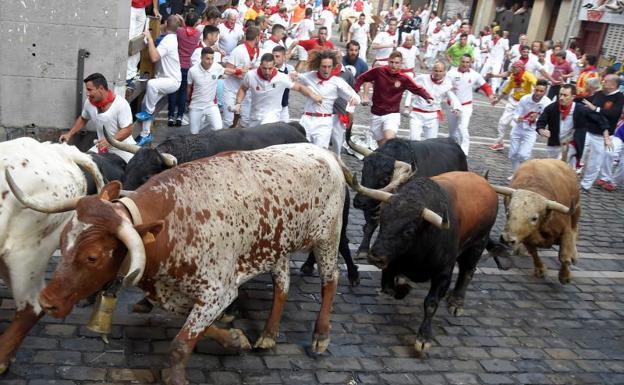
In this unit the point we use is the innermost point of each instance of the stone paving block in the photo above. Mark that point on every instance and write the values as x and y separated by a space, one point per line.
399 378
51 382
495 379
290 377
406 364
83 344
561 354
81 373
247 362
57 357
325 377
226 378
470 353
59 330
106 358
32 342
261 378
533 378
142 376
367 378
337 363
372 364
561 365
461 378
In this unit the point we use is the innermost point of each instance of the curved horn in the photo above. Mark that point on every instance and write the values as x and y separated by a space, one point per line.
92 169
360 149
168 159
401 174
554 205
503 190
136 253
433 218
487 174
131 148
375 194
37 205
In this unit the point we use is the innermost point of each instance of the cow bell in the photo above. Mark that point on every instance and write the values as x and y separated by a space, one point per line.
102 317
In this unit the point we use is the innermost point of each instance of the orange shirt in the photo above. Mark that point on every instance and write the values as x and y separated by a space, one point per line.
581 82
298 13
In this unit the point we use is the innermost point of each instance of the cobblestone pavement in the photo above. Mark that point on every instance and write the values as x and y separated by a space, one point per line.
517 329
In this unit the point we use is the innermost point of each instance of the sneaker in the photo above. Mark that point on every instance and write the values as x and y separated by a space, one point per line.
144 140
601 182
610 187
178 122
170 122
130 84
143 116
497 147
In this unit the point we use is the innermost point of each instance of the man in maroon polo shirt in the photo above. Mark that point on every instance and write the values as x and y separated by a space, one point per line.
389 85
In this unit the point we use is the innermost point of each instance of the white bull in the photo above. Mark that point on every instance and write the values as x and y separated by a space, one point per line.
28 238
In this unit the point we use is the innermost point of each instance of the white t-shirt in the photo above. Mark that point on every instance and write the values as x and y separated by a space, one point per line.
266 96
409 57
497 51
229 38
268 46
566 126
239 58
464 83
328 19
196 56
439 92
118 115
528 108
385 38
277 19
329 89
169 64
204 85
359 33
305 27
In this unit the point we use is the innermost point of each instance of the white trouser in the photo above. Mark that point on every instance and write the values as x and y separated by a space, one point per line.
522 142
266 117
494 66
137 25
302 54
208 116
318 129
338 134
505 120
458 127
607 172
408 97
430 54
423 125
363 48
555 152
156 89
284 115
382 123
595 158
229 100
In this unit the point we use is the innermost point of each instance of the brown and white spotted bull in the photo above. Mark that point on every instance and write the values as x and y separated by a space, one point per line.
207 227
537 215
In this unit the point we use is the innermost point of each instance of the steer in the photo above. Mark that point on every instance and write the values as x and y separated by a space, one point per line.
207 227
537 215
28 238
427 158
426 227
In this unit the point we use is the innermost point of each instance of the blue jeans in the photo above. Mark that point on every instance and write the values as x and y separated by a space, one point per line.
178 98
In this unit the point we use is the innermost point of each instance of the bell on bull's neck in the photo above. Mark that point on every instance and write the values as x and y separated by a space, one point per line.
102 317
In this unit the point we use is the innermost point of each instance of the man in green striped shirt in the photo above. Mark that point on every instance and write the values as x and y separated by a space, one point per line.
455 52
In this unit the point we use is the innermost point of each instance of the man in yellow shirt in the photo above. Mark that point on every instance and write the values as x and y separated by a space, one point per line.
520 83
254 11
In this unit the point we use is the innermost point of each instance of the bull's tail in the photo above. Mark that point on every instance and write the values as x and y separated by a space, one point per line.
497 250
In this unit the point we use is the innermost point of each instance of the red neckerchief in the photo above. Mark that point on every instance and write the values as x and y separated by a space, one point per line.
437 29
190 31
524 60
302 6
391 33
518 78
259 72
588 68
229 26
110 97
337 70
552 58
274 40
564 111
494 41
258 10
463 72
406 47
436 81
361 22
252 51
322 79
326 9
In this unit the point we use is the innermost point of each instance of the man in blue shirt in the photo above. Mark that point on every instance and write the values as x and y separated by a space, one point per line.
352 58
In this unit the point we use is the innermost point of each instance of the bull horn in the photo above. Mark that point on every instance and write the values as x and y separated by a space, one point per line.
503 190
37 205
131 148
486 175
168 159
136 253
359 149
379 195
554 205
434 219
92 169
401 174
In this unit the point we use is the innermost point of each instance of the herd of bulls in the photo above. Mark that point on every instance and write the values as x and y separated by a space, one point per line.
238 203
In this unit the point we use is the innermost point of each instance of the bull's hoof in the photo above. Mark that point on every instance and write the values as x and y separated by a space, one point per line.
564 276
143 306
455 305
421 346
539 272
320 343
264 342
307 269
354 277
4 366
226 318
239 340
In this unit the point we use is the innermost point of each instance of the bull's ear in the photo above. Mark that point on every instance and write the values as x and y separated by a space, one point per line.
110 191
150 231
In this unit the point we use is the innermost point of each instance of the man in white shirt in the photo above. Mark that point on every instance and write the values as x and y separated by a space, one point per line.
277 38
523 134
242 59
317 118
435 42
326 18
426 115
514 52
304 32
360 32
137 26
464 80
210 37
266 86
410 54
106 112
230 32
202 90
281 18
167 78
279 54
497 48
384 43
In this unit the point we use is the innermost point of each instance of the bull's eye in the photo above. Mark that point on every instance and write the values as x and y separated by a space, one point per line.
92 258
409 233
534 218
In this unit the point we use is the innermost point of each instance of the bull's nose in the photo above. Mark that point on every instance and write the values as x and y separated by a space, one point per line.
379 261
46 305
508 240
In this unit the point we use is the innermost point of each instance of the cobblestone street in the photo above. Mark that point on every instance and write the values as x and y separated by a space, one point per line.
517 329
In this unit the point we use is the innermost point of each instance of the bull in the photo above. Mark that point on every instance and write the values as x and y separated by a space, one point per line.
537 215
427 158
185 148
426 227
192 236
28 238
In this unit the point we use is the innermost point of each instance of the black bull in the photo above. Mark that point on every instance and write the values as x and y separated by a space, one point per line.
185 148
